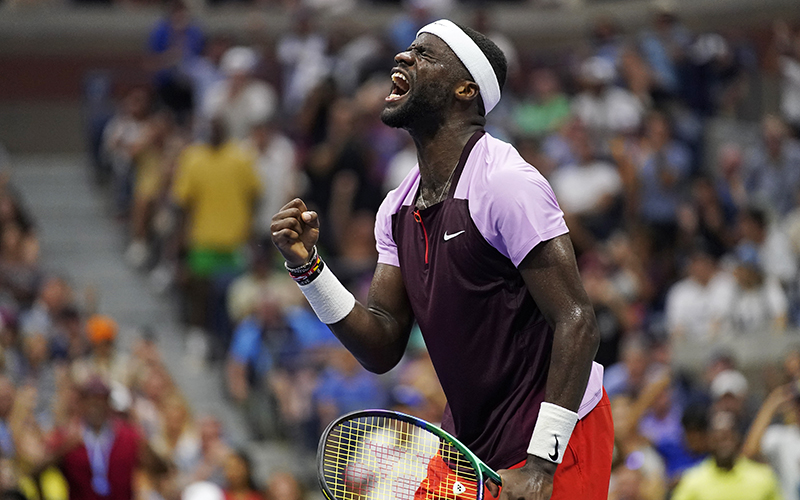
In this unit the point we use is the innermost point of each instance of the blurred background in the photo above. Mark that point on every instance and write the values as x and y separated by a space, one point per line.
146 144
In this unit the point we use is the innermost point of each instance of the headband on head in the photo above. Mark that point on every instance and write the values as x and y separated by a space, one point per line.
471 55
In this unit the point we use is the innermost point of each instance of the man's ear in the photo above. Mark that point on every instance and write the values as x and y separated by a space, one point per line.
467 90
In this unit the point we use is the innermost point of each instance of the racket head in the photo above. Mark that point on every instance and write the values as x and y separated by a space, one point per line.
386 455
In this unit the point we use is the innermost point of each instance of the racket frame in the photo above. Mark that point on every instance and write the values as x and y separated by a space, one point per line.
484 471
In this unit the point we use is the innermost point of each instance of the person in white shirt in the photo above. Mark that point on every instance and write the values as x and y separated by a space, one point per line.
589 193
755 302
774 247
695 304
241 100
779 443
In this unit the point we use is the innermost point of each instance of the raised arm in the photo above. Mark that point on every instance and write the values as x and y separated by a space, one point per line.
377 333
551 275
776 399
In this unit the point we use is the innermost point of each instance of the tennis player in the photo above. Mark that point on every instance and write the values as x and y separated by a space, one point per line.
473 246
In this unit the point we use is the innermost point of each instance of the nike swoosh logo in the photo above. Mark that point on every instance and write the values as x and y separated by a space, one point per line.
554 456
448 237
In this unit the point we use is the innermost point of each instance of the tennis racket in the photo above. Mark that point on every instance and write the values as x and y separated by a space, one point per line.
388 455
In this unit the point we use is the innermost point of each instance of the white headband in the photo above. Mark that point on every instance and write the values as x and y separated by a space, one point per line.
471 55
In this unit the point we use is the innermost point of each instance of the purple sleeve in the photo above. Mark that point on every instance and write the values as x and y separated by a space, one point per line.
518 212
384 241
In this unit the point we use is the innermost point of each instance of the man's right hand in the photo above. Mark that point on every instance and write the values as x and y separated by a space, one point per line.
295 231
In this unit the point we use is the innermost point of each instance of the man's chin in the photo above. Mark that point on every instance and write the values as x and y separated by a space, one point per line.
394 116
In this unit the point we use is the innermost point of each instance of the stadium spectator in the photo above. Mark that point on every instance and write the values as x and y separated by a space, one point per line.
19 261
753 302
633 372
7 393
636 454
276 165
345 386
213 452
123 131
55 294
283 485
239 484
217 188
303 54
772 168
104 360
204 72
775 254
605 108
544 108
240 101
788 46
153 156
730 392
257 345
589 193
694 306
729 178
778 442
722 475
173 41
663 165
99 454
664 46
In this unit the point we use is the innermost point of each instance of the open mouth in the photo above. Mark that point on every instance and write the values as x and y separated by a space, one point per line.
400 86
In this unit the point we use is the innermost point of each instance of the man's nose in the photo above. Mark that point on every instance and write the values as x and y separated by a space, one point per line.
405 58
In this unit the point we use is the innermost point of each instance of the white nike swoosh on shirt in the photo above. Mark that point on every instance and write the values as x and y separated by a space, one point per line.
451 236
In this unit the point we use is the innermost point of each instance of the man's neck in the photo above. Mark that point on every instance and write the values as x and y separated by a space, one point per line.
726 465
438 153
97 430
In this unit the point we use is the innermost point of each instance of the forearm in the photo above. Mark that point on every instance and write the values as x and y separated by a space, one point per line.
375 339
752 443
575 344
376 334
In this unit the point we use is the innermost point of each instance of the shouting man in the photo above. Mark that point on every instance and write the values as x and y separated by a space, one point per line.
473 246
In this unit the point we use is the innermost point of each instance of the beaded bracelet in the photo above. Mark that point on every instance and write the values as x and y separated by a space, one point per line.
308 272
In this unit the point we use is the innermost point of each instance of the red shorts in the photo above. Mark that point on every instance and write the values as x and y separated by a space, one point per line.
583 474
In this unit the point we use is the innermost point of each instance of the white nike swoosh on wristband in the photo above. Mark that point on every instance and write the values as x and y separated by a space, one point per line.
448 237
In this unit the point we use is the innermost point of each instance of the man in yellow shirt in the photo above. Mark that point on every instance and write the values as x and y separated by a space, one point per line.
726 475
217 188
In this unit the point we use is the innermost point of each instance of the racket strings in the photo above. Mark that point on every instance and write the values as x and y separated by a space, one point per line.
381 458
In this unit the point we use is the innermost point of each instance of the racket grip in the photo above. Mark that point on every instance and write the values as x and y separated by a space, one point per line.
494 476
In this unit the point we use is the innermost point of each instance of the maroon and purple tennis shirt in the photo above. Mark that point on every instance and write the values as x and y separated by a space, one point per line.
489 343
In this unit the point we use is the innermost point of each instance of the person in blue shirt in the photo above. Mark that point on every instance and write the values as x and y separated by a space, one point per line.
174 41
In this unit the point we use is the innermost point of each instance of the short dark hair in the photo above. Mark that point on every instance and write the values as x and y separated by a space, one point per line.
695 418
492 52
757 215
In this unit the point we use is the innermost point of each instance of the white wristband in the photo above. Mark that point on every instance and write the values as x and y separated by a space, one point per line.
552 432
328 297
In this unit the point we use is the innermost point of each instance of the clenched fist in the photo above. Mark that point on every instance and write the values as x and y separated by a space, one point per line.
295 231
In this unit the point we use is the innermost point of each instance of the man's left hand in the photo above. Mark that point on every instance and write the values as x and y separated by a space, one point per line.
532 481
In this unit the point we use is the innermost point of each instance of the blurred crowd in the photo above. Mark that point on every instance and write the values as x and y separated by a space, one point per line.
81 418
679 181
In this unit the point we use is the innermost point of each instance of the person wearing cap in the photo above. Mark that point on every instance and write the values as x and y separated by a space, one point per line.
473 246
240 100
104 359
779 442
726 475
